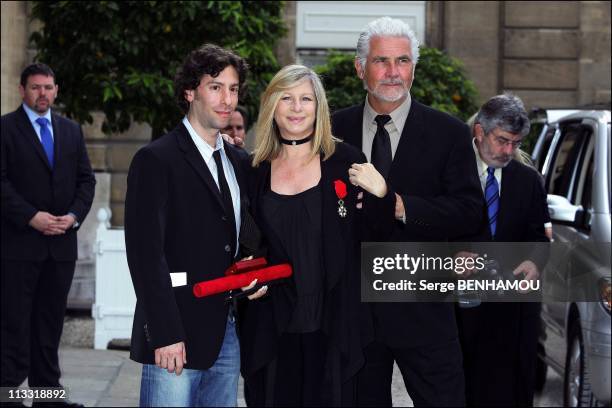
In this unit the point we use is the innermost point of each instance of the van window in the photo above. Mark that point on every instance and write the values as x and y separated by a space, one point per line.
543 150
609 175
585 189
584 175
563 173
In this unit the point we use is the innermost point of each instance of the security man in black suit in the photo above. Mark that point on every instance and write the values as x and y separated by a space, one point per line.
499 339
427 159
47 190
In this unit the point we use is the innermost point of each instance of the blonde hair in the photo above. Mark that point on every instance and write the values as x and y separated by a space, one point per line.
519 155
267 144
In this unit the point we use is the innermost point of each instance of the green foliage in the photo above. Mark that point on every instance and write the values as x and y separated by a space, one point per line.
343 87
529 141
439 82
120 57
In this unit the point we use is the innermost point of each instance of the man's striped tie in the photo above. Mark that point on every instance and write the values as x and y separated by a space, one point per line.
492 197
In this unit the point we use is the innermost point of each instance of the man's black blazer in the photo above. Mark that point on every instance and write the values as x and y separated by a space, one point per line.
30 185
175 222
522 207
433 170
509 326
521 218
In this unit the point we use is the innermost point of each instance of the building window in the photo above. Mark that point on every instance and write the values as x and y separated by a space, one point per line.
325 25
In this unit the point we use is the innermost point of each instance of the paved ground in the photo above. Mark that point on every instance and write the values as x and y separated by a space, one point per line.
109 378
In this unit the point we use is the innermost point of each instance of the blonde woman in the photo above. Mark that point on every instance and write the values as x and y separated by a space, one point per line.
301 341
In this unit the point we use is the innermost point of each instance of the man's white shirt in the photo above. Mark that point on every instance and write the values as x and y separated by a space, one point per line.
206 151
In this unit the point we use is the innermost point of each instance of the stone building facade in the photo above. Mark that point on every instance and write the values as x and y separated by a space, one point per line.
551 54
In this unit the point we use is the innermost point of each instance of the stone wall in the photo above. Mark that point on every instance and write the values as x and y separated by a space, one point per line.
471 34
15 32
113 154
551 54
540 51
594 53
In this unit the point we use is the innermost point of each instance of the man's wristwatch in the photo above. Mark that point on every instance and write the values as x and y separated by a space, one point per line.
76 221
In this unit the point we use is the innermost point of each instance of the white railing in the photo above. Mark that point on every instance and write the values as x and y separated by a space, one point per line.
113 308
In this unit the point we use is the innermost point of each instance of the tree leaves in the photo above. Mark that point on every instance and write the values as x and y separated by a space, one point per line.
120 57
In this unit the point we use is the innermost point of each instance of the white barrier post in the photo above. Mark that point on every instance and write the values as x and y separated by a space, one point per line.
113 308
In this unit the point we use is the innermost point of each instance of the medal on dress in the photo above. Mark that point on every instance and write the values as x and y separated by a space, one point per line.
340 188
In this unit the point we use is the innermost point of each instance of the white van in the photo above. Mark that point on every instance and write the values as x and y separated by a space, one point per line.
573 154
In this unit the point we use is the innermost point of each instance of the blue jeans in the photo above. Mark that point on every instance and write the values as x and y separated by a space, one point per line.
214 387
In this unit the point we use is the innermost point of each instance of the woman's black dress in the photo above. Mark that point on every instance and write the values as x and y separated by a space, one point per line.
295 375
301 344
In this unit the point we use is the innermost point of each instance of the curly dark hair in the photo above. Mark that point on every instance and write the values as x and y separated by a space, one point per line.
208 59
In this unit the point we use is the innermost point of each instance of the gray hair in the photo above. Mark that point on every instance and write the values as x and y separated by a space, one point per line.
506 112
386 27
519 155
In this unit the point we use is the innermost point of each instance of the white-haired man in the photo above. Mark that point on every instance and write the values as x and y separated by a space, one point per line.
428 160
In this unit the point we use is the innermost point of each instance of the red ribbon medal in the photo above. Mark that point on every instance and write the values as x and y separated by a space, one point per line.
340 188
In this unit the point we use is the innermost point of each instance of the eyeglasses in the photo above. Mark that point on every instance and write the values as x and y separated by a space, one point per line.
502 142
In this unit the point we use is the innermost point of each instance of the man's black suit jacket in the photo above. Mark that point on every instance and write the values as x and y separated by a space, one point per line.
175 221
521 217
522 207
30 185
433 171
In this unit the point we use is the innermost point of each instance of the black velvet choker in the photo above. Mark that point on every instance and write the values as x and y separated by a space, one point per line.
296 142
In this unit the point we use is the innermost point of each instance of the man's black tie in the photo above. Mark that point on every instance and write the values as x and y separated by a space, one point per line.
226 196
381 147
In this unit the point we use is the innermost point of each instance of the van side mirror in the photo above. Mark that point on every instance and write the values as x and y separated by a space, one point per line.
583 219
562 211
